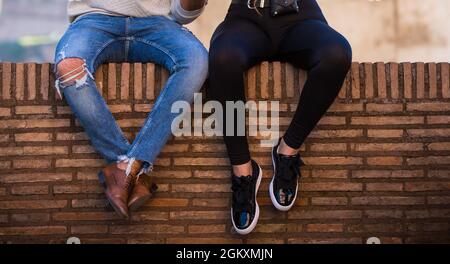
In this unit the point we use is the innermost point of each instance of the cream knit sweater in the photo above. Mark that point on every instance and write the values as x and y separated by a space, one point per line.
132 8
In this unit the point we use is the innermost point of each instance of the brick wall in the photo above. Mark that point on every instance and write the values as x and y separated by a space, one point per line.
378 163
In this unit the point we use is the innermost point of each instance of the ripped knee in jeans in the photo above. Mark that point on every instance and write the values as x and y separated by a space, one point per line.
71 72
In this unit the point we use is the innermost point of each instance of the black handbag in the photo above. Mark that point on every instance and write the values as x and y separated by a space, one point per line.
283 7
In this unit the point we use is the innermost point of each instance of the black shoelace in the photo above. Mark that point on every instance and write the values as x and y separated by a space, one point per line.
241 187
288 171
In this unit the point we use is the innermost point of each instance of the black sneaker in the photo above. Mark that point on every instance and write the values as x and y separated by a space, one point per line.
244 208
284 185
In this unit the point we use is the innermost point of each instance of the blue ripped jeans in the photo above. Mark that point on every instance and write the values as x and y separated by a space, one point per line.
97 39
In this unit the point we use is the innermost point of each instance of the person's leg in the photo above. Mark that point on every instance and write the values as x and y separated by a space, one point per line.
236 45
326 55
87 43
165 42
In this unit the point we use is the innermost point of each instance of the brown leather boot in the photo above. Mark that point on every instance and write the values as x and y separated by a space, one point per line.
118 187
143 190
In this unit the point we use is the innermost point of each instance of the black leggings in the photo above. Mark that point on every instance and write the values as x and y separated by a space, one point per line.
246 38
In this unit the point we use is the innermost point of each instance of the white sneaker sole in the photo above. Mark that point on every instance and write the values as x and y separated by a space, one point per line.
252 225
275 203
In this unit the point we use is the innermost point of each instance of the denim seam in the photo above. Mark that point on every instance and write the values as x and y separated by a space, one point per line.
162 49
125 140
144 129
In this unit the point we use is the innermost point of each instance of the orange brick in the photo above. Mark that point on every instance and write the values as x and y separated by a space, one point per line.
176 148
6 80
150 81
432 79
45 80
387 174
384 108
196 215
381 80
138 79
324 228
71 136
350 107
324 214
31 81
251 83
386 147
427 186
429 160
368 80
330 187
89 229
199 188
445 79
89 203
31 218
211 202
88 149
201 161
428 107
338 174
356 84
420 79
387 120
264 85
394 81
290 80
84 216
35 177
329 200
167 202
407 80
376 214
115 109
41 123
348 133
4 111
328 147
112 81
33 110
385 161
208 147
125 81
79 163
36 204
144 108
20 81
329 161
172 174
33 137
5 165
33 230
29 190
146 229
41 150
385 133
387 200
206 229
388 187
437 132
32 164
